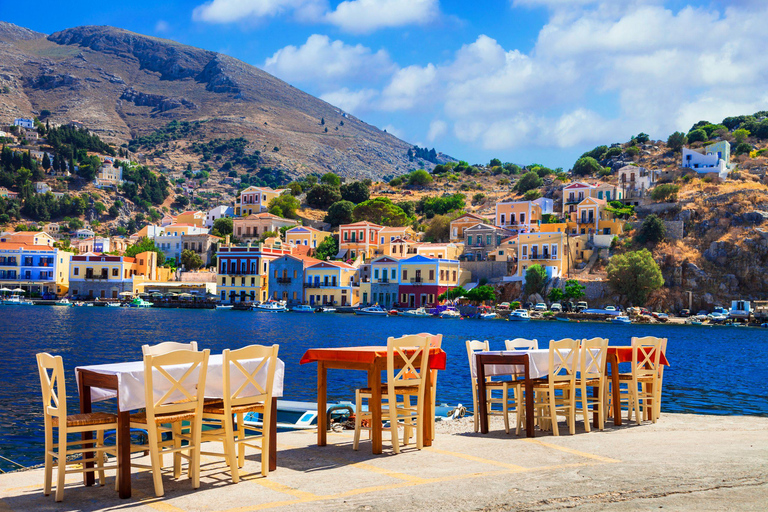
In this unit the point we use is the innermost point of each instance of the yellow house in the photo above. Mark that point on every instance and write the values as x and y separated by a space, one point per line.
192 218
506 250
550 250
423 279
331 283
256 199
443 251
389 233
359 238
518 214
459 224
29 238
306 236
106 277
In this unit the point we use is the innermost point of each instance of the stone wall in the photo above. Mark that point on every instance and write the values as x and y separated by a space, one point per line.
675 229
657 208
485 269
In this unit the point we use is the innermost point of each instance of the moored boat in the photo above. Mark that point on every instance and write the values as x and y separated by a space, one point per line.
224 306
419 312
112 304
450 312
519 315
303 308
63 302
138 302
325 309
270 307
621 319
375 310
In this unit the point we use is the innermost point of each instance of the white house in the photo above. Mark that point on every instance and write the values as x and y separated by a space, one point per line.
24 123
218 213
715 159
547 205
109 175
84 233
41 187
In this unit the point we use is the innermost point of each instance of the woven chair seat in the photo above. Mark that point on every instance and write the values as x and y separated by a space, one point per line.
239 409
411 390
628 376
588 382
556 385
83 420
141 417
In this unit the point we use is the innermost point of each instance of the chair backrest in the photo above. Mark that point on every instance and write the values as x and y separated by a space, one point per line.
563 360
413 351
249 373
51 369
175 382
521 344
592 365
646 353
435 340
166 347
472 347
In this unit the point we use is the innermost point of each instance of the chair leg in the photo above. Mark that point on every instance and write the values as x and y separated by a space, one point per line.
585 407
61 464
241 435
100 456
229 447
176 428
553 414
520 409
572 412
505 407
358 420
197 433
475 405
393 425
154 457
48 457
420 419
636 403
265 441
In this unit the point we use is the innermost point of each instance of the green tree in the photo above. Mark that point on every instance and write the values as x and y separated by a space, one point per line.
586 166
326 249
46 162
529 181
355 192
322 196
744 148
535 279
697 135
331 179
439 229
100 207
114 211
651 231
495 162
419 178
295 188
380 210
339 213
482 293
409 207
740 135
191 260
181 201
641 138
143 245
573 290
222 226
635 275
287 204
452 293
676 141
556 295
269 234
665 192
532 194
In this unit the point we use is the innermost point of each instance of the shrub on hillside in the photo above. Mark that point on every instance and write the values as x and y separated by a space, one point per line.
697 135
586 166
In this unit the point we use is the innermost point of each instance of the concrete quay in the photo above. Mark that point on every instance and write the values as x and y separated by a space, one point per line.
683 462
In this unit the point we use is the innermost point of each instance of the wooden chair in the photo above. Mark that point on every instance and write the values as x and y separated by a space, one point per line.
657 400
166 347
563 363
178 378
435 341
643 382
244 391
592 361
510 390
408 381
51 369
521 344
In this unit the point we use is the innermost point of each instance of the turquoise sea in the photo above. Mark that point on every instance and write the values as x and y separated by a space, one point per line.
715 370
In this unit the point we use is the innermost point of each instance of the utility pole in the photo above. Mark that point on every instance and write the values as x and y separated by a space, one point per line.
690 301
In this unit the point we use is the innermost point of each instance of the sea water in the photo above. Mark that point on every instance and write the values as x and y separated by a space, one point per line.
714 370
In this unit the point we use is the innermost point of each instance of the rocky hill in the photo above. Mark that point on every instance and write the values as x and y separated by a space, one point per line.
122 85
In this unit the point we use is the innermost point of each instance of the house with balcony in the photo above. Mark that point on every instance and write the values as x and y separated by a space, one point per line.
254 226
482 239
445 251
635 183
169 238
576 192
256 200
383 285
423 279
106 277
306 236
37 269
286 277
244 271
359 238
96 244
109 175
553 251
518 215
459 224
331 283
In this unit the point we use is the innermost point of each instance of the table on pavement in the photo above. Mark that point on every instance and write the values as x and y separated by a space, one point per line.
615 356
125 381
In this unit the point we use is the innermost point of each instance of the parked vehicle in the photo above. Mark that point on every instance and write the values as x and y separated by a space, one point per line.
610 308
685 312
556 307
503 305
527 305
581 305
540 307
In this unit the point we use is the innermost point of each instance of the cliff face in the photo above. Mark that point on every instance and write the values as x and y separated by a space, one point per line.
121 85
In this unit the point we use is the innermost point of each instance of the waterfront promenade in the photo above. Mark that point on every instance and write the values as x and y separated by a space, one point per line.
683 462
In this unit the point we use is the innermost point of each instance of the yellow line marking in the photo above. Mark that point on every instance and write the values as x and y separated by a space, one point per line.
282 488
154 501
571 451
473 458
390 473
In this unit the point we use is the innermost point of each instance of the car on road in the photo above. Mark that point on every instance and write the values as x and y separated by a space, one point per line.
610 308
581 305
540 307
556 307
685 312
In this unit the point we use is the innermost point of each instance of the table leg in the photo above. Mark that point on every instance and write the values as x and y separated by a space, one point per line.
374 382
428 410
273 437
85 407
482 402
322 401
613 364
530 412
124 452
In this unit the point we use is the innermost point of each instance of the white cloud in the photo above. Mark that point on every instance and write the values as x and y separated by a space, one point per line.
320 59
229 11
409 88
353 102
162 27
437 129
363 16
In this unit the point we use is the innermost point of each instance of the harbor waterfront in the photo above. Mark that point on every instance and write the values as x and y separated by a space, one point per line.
714 370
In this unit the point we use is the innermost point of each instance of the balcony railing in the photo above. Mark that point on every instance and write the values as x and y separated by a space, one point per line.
284 280
92 277
9 263
321 285
417 280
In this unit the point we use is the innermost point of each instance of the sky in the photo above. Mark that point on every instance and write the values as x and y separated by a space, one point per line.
525 81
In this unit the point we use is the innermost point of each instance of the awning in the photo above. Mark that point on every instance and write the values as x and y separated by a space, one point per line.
341 254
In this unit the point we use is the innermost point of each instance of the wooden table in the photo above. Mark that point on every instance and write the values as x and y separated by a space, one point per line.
373 360
615 356
504 359
87 379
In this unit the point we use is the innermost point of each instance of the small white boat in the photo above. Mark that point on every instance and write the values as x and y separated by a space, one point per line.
450 313
138 302
224 306
16 300
621 319
113 304
63 302
303 308
487 316
325 309
271 307
372 310
519 315
415 312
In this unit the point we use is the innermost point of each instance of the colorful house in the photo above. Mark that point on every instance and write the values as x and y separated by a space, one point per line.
244 271
256 199
459 224
254 226
716 158
286 277
447 251
38 269
359 238
576 192
331 283
192 218
383 285
219 212
553 251
29 238
306 236
106 277
423 279
481 239
518 215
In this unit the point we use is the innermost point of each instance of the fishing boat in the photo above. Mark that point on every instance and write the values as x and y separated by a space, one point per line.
63 302
325 309
138 302
450 312
418 312
562 319
270 307
303 308
16 300
519 315
485 313
224 306
621 319
112 304
375 310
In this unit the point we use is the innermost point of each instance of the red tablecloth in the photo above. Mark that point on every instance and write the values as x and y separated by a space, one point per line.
624 355
437 357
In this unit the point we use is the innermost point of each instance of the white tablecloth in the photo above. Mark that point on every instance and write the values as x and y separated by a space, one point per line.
130 381
538 365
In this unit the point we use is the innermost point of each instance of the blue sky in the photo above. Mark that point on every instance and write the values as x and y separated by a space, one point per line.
522 80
